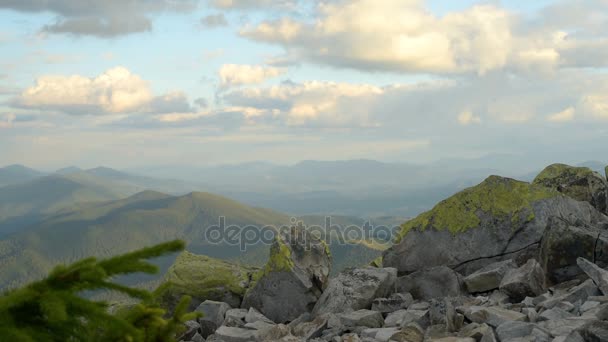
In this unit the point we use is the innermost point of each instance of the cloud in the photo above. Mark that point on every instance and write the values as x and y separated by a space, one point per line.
239 74
596 105
254 4
466 118
214 20
115 91
563 116
7 119
404 36
100 18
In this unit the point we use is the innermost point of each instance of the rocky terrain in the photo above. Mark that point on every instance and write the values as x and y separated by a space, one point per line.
502 261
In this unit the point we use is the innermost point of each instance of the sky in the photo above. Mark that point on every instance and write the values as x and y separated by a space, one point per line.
129 83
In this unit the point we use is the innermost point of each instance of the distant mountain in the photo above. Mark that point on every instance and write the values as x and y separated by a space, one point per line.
68 170
15 174
26 203
144 219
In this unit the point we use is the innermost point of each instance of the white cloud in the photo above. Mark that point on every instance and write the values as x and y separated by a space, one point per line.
596 105
405 36
239 74
115 91
466 118
563 116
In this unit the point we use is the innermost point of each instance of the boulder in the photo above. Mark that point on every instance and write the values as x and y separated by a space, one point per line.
567 239
579 183
489 277
396 301
231 334
294 277
480 332
554 314
562 327
213 316
578 293
493 316
514 329
527 280
310 330
203 278
594 331
436 282
597 274
362 318
412 332
497 220
356 289
254 315
235 317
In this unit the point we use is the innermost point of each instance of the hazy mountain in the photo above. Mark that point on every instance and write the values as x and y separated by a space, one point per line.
127 224
15 174
68 170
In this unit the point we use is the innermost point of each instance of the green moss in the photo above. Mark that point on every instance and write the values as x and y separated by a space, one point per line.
497 196
556 171
202 277
280 257
377 262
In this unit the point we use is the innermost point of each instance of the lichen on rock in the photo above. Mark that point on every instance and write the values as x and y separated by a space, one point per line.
204 278
496 196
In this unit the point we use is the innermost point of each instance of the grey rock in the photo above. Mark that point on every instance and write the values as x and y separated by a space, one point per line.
454 320
589 305
554 314
579 183
452 339
419 306
527 280
436 282
258 325
297 273
492 239
595 331
562 327
235 318
531 313
276 332
411 332
362 318
493 316
488 278
379 334
597 274
254 315
192 328
565 240
420 317
349 338
197 338
213 311
310 330
396 301
512 330
578 293
480 332
356 289
394 319
232 334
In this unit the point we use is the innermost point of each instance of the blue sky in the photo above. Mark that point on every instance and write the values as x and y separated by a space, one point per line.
149 83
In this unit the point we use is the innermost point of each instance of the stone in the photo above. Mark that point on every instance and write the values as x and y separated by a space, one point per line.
597 274
580 183
488 278
436 282
362 318
394 319
203 278
235 317
578 293
567 239
310 330
356 289
554 314
513 329
411 332
562 327
453 339
259 325
527 280
493 316
349 338
594 331
213 316
192 328
197 338
232 334
476 226
480 332
276 332
254 315
531 313
379 334
297 273
589 305
419 306
454 320
395 302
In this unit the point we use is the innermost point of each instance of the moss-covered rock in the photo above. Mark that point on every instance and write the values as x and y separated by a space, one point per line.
580 183
294 278
501 218
501 198
204 278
